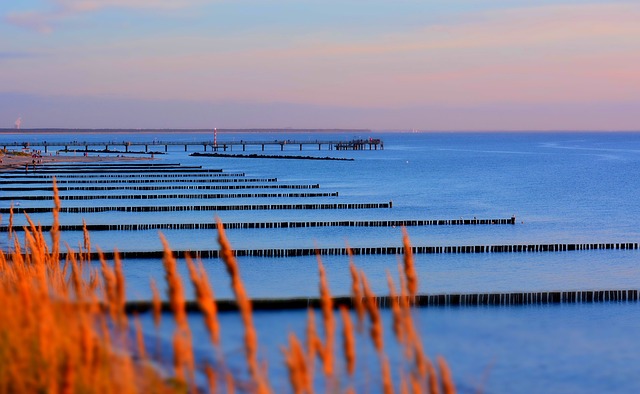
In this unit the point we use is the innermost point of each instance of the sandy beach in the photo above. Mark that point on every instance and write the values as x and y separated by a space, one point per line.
11 161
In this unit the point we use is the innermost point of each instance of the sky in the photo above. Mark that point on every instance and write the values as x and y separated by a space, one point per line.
383 65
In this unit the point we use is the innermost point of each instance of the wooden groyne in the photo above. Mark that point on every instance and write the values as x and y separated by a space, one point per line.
20 175
388 250
111 165
124 187
168 196
424 300
134 181
185 170
113 178
143 164
270 225
162 187
182 208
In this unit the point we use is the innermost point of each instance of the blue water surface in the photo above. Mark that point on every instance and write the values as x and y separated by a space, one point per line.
562 188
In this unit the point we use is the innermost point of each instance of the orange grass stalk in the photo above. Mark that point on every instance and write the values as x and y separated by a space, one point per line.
76 275
434 388
395 309
244 305
183 354
314 345
374 313
38 261
211 375
206 299
179 360
296 364
387 384
10 232
356 293
109 285
230 382
156 303
349 340
120 294
174 286
409 266
326 303
404 388
55 225
86 241
406 320
445 376
68 376
142 352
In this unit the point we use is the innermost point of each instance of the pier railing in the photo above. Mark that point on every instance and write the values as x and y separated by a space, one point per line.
214 146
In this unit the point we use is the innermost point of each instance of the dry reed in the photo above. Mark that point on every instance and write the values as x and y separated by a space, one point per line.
349 345
409 266
373 312
326 305
244 305
156 303
55 337
206 299
356 293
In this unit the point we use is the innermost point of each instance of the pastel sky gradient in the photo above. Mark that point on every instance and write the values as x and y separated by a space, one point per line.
426 65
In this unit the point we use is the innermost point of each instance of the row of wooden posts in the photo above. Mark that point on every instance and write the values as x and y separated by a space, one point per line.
424 300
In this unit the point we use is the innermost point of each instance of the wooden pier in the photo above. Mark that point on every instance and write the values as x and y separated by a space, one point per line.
213 146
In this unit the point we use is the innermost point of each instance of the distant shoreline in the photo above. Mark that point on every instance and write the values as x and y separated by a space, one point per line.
12 162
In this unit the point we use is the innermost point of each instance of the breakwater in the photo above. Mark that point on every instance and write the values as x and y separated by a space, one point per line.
212 180
48 178
114 178
162 187
382 250
169 196
54 171
179 208
273 225
424 300
256 156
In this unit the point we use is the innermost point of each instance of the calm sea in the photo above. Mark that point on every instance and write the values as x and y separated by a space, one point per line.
562 188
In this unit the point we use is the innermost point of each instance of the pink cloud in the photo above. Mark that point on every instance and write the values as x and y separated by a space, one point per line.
58 11
93 5
31 21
